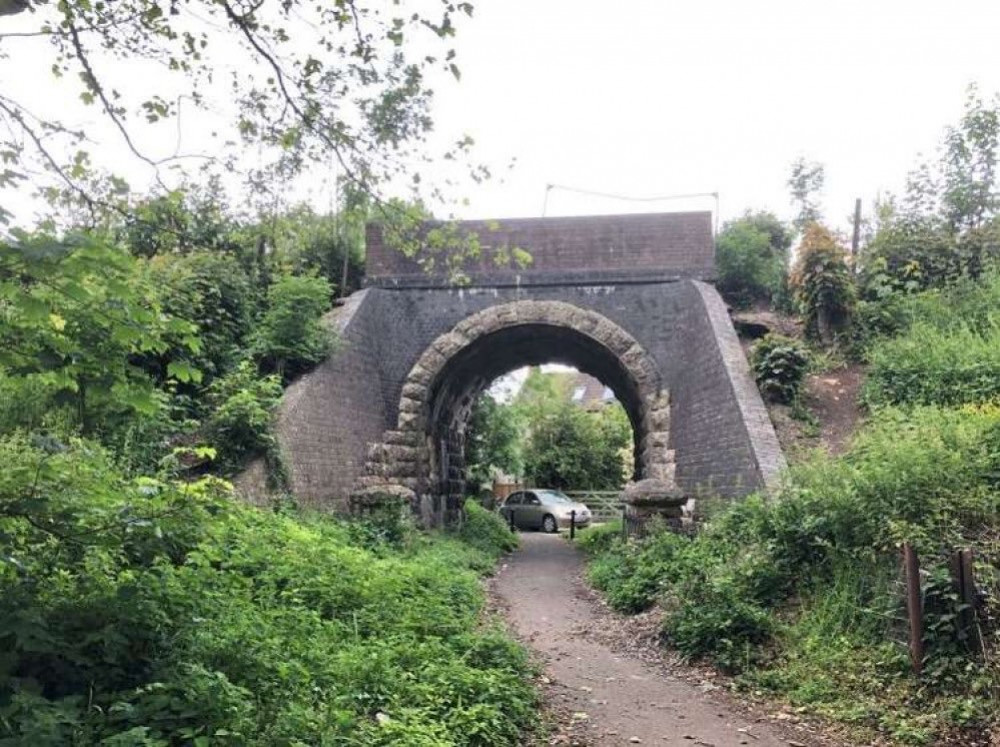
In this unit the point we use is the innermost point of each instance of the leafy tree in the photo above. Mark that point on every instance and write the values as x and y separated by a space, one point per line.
178 221
822 283
571 448
213 292
493 441
349 81
969 189
241 410
751 255
331 245
805 183
909 253
947 224
290 336
76 316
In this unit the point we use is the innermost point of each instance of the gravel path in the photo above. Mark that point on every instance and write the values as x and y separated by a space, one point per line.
607 697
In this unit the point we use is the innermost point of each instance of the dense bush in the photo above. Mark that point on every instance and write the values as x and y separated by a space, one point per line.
486 531
152 612
752 256
599 538
634 574
779 366
212 291
964 304
939 346
291 337
801 591
930 366
822 283
241 409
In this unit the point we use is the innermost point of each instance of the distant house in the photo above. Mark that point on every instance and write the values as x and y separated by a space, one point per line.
588 392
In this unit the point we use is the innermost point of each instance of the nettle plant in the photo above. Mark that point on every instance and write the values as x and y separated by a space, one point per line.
779 366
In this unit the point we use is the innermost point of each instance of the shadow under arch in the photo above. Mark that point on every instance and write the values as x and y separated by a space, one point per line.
425 452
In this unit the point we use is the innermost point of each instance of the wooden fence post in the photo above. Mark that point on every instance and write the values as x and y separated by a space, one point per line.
914 607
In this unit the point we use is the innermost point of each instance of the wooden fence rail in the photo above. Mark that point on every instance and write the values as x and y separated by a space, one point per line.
604 505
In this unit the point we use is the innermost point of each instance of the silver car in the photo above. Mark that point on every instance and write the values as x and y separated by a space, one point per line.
543 509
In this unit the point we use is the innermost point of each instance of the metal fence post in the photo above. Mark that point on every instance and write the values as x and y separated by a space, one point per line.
572 524
963 575
510 519
914 608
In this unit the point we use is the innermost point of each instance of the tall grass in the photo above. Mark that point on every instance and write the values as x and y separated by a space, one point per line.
935 347
931 364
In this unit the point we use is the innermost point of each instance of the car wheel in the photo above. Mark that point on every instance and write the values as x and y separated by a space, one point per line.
549 524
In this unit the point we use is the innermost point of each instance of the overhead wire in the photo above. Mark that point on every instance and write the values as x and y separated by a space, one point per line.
631 198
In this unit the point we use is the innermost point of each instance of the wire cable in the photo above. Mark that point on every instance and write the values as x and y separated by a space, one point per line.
629 198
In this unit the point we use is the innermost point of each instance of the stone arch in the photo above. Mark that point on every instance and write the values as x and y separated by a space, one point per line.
435 398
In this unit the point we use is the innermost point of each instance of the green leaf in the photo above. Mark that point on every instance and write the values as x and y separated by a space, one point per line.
183 372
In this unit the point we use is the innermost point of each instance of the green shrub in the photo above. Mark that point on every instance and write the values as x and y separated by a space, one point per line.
928 365
386 526
633 575
964 305
599 538
149 612
486 531
822 283
242 409
751 254
291 338
212 291
719 624
779 365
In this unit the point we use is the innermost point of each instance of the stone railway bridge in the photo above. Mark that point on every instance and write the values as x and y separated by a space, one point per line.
623 298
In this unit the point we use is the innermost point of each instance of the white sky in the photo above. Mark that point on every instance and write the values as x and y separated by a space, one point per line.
654 97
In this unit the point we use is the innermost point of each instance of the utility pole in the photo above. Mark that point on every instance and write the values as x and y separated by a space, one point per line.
856 238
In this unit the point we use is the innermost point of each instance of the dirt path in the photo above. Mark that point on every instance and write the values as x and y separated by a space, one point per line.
610 698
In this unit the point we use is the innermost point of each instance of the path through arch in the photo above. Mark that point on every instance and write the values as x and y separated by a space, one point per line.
425 451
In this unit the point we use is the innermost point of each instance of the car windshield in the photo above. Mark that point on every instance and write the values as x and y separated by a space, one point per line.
553 496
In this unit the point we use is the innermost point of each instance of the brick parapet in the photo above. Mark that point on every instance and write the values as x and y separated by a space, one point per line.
608 248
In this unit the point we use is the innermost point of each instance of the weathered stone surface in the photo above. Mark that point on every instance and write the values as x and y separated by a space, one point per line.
403 438
652 493
420 376
449 344
408 420
414 389
386 494
658 439
410 404
663 471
